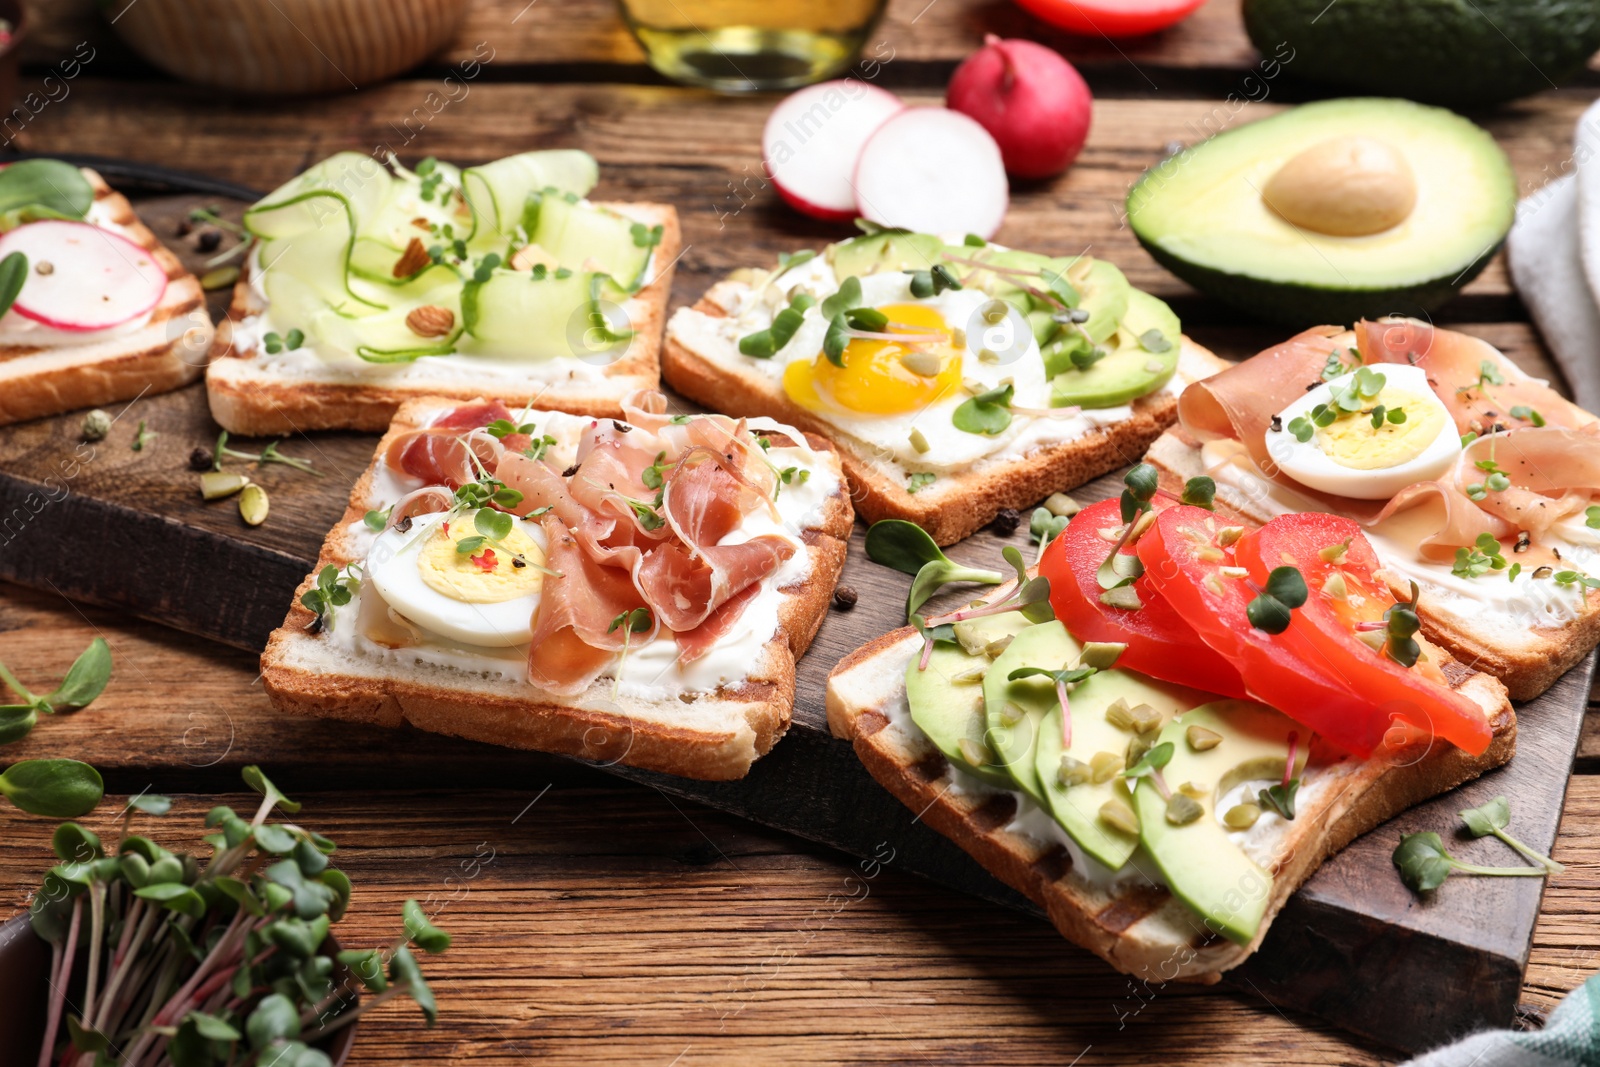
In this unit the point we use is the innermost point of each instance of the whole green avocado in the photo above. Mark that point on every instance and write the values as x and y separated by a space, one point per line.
1452 52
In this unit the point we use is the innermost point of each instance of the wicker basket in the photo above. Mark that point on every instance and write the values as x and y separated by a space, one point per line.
286 46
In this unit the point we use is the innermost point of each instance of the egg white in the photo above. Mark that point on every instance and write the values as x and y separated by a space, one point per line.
889 435
1310 466
391 567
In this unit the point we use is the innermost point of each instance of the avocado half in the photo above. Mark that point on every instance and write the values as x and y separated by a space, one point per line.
1202 216
1441 51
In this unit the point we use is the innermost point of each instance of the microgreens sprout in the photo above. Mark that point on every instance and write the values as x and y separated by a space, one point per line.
1119 569
932 282
646 236
1200 491
143 436
269 454
377 520
1488 374
764 344
287 343
208 215
1271 609
1149 766
1424 863
1591 516
1094 658
919 481
1046 526
333 589
637 621
789 260
54 788
1400 627
1485 555
907 548
987 413
218 960
85 680
1523 411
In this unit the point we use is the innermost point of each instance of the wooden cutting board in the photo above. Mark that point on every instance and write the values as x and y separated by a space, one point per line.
105 524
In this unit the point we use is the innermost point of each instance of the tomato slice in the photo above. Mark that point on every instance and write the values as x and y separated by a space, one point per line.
1112 18
1159 642
1185 561
1324 630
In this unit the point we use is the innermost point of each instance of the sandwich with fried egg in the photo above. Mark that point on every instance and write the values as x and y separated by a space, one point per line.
632 591
956 380
369 284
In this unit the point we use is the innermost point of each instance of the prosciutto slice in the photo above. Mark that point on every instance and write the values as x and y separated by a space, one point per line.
1454 362
437 456
573 637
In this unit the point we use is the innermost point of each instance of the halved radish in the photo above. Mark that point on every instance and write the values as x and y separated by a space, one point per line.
81 277
813 138
933 170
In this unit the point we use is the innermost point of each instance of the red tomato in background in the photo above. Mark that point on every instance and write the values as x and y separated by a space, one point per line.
1184 561
1159 642
1112 18
1324 629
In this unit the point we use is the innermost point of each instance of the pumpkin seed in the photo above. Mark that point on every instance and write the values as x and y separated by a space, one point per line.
1202 740
214 485
253 505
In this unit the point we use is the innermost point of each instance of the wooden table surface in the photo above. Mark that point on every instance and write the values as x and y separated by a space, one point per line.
598 921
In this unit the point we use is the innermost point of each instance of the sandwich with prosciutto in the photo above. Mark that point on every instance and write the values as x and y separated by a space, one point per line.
633 591
1468 477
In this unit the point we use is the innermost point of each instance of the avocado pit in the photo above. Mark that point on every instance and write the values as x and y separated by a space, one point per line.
1344 187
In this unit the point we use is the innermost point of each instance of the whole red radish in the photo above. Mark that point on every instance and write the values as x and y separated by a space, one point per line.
1112 18
1034 104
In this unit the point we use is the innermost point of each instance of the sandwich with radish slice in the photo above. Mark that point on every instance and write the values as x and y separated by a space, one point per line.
93 309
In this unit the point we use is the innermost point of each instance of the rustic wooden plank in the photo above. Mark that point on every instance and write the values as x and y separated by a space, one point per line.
701 154
610 927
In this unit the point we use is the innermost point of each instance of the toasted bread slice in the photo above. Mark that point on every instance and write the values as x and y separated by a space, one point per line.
1528 659
954 505
1132 923
712 735
253 394
169 351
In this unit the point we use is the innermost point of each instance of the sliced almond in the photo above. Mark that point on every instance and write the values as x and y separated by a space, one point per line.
413 259
529 256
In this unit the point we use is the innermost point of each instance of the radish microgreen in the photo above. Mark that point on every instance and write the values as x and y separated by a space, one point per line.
286 343
637 621
13 275
646 236
987 413
1520 411
85 680
1271 609
1485 555
377 520
1200 492
56 788
764 344
1400 627
269 454
1046 526
333 589
143 436
919 481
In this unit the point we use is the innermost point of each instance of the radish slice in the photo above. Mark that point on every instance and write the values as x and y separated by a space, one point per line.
932 170
813 139
81 277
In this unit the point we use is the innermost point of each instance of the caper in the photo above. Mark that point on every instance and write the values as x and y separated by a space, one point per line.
1202 740
1072 772
1242 816
1117 814
1104 766
1183 809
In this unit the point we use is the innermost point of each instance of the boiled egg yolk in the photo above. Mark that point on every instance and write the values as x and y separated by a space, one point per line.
488 573
1354 443
881 377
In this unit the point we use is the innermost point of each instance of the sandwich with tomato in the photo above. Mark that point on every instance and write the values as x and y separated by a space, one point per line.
1164 727
1472 481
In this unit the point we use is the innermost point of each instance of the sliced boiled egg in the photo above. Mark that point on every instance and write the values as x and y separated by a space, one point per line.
443 575
900 395
1367 434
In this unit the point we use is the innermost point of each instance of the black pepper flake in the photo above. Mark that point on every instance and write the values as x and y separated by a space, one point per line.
1523 540
844 598
570 471
183 228
622 427
1554 551
314 626
201 459
518 562
1006 521
209 239
404 525
1277 424
1489 415
1498 427
1313 385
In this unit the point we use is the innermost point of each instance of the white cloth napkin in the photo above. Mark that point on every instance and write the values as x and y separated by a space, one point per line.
1554 249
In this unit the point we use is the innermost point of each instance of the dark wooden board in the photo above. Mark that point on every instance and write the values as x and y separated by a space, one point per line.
128 530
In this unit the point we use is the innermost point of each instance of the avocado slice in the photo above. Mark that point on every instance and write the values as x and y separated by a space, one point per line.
1201 214
1202 865
949 708
1141 362
1466 54
876 253
1077 807
1046 644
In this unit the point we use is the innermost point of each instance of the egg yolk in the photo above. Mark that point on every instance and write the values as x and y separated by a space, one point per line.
875 378
1353 442
488 573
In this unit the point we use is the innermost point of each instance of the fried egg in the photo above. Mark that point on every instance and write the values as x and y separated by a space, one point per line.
1366 438
899 396
481 593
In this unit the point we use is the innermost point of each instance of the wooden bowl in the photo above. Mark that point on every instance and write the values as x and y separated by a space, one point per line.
286 46
25 992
